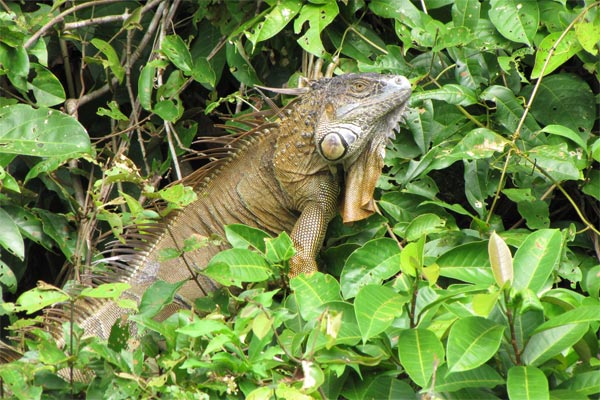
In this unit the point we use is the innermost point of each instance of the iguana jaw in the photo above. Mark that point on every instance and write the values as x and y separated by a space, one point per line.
364 169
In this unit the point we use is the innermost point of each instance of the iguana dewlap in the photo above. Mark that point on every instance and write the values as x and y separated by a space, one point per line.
323 154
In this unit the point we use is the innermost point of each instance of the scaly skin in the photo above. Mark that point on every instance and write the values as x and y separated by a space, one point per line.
285 177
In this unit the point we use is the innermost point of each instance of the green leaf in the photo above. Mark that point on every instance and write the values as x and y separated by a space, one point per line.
57 227
423 225
279 249
378 386
577 315
203 72
376 307
313 291
243 236
536 213
51 354
318 16
275 20
450 93
112 60
106 290
113 112
232 267
567 48
16 64
563 131
420 352
480 377
527 383
375 261
515 20
557 161
46 87
500 260
549 343
509 110
466 13
157 296
588 35
10 236
479 143
177 51
411 257
146 86
585 383
8 182
592 186
38 298
468 263
471 342
535 260
41 132
171 110
203 328
8 279
564 99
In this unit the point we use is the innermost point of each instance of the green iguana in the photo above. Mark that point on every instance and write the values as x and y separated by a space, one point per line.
324 153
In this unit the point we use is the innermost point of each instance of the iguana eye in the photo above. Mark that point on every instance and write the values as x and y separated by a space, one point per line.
359 86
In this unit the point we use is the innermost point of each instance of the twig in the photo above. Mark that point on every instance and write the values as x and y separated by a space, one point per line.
60 17
95 21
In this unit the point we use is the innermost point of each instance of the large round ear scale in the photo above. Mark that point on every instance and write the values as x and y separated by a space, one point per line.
333 146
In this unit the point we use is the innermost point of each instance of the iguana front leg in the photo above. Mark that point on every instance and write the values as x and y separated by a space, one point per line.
309 231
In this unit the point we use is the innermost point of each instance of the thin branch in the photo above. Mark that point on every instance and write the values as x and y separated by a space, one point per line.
95 21
60 17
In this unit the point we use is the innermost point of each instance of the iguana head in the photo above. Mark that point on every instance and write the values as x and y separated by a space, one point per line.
358 116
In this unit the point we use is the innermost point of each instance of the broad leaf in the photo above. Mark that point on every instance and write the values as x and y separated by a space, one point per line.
500 260
535 260
561 52
376 260
480 377
176 50
468 263
274 21
41 132
471 342
38 298
420 352
242 236
551 342
157 296
10 235
318 17
106 290
376 307
577 315
312 291
516 20
235 266
527 383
